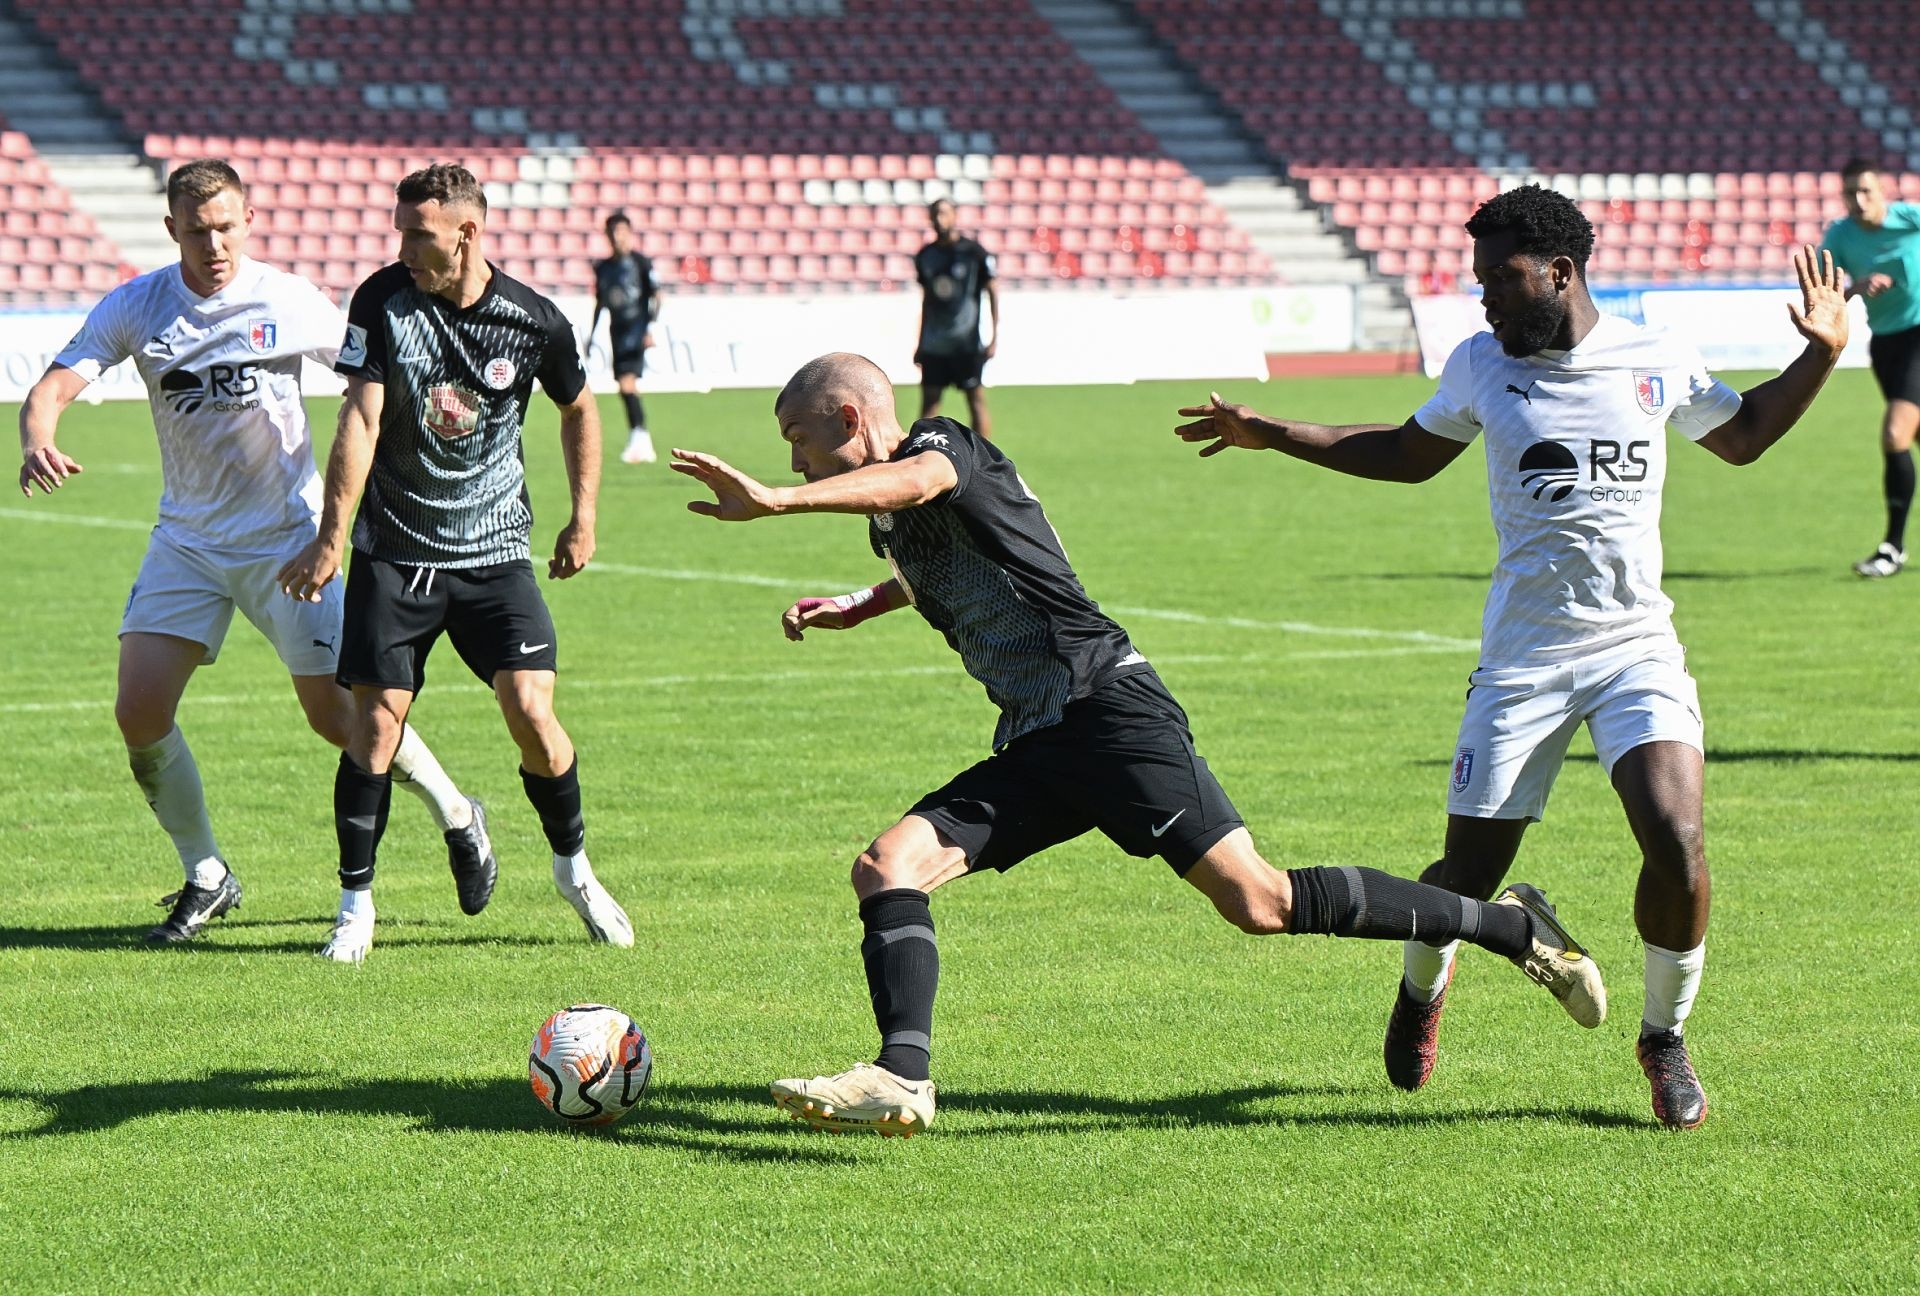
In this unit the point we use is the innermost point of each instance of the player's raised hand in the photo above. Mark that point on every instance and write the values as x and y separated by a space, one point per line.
571 551
736 496
1821 312
48 468
1224 424
307 572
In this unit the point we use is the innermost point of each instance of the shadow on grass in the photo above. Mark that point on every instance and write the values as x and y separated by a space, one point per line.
1250 1105
1749 756
682 1117
1483 577
217 939
672 1117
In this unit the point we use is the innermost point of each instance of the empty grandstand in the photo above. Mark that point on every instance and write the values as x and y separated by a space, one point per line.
777 146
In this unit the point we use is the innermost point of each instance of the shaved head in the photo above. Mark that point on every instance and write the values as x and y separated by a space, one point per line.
821 386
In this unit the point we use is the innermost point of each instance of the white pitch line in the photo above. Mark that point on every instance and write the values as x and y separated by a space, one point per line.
1293 627
727 578
76 519
572 684
1435 641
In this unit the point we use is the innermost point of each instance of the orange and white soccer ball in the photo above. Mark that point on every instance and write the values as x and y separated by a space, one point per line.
590 1064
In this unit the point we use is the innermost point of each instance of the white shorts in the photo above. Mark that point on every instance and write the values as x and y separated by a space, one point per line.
191 594
1519 720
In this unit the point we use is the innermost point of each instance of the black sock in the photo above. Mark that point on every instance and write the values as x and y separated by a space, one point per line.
557 801
1373 905
1899 483
636 412
360 802
903 972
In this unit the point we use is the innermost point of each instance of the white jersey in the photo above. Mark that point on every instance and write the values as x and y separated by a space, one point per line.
223 380
1576 462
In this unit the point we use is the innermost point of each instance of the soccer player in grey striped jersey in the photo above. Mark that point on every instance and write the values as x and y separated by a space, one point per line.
440 355
220 340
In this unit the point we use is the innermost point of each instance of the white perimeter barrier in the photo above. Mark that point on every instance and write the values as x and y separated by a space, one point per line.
707 342
1735 328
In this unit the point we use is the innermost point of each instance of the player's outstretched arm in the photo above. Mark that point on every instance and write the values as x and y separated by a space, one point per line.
42 463
580 448
308 571
843 612
1769 411
877 488
1379 451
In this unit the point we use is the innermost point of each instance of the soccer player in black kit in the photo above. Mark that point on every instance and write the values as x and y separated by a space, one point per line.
1088 736
954 274
440 357
625 290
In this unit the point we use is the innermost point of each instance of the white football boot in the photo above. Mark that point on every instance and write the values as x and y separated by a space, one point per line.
866 1097
352 938
1557 961
606 921
1882 562
639 447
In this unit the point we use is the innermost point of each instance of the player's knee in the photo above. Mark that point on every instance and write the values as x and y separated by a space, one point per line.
1259 906
142 723
870 874
1677 846
529 713
332 721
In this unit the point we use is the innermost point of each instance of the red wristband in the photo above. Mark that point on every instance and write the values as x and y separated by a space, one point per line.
859 606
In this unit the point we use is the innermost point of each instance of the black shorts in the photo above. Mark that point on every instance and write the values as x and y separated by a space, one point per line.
1896 364
1120 760
494 616
939 372
629 353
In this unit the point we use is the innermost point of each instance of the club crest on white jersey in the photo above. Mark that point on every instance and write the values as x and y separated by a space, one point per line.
1650 389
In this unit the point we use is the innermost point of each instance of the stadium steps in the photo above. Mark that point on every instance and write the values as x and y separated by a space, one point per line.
123 193
43 97
1170 102
1293 235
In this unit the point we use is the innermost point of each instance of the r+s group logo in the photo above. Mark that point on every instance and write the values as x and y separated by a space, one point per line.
1550 471
224 389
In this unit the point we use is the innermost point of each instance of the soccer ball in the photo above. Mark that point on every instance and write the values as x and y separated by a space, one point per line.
590 1064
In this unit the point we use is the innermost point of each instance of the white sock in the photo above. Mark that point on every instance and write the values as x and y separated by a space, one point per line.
416 770
207 873
572 870
357 905
1673 979
168 775
1426 968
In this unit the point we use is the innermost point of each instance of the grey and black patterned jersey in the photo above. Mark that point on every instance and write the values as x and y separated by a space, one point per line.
953 277
982 564
623 287
447 487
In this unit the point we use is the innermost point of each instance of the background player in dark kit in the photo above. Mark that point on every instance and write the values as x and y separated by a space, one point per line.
626 291
954 273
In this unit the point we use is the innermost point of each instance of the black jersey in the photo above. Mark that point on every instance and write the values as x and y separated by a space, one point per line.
623 287
982 564
953 277
447 487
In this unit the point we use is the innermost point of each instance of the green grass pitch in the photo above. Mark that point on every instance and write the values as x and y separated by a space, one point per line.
1134 1096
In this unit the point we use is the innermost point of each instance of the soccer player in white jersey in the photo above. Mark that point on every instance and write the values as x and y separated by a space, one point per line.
1574 406
219 340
